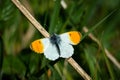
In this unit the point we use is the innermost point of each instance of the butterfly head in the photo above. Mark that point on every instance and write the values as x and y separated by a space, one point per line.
55 39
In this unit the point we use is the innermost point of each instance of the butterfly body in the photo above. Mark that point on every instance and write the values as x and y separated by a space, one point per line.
55 40
57 45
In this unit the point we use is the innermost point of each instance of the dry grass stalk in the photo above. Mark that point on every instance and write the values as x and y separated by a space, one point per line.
79 69
31 30
108 54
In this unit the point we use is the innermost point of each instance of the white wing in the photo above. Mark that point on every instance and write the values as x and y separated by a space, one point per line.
51 52
66 50
45 42
65 37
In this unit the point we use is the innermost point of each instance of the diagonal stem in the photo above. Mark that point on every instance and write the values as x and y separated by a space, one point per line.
79 69
108 54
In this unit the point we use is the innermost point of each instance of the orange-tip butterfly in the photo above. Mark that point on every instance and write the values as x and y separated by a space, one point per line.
57 45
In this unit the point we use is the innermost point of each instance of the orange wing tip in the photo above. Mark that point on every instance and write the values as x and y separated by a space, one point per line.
75 37
37 46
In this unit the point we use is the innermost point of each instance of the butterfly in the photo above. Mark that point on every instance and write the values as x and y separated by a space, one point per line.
57 46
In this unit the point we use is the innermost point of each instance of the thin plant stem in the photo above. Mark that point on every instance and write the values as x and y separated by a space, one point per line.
108 54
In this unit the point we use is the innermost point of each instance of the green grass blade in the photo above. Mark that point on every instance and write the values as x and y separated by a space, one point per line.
94 27
108 65
54 16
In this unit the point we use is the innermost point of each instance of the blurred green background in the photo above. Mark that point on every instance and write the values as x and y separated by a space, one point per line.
18 62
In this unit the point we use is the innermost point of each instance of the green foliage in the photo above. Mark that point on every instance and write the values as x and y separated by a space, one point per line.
18 62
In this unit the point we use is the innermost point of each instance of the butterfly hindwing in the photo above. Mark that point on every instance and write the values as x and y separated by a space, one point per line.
66 50
51 52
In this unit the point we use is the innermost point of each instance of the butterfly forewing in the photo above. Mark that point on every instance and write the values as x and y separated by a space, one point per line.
40 45
72 37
